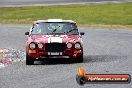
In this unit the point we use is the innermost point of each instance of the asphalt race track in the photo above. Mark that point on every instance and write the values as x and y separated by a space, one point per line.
46 2
105 51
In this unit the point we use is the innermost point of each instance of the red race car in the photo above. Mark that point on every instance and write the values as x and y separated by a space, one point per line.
54 38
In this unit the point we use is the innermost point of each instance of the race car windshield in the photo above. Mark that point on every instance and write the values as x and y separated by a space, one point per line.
54 28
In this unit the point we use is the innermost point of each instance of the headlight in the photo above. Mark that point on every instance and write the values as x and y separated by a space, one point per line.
69 45
40 45
32 45
77 46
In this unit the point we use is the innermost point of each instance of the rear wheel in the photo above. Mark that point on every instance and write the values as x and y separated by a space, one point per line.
29 60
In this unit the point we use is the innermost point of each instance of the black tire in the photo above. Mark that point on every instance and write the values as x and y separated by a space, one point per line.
29 60
79 59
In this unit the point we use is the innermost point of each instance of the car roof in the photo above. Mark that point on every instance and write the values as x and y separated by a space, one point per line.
54 20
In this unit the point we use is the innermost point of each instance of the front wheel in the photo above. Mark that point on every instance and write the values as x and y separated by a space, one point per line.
29 60
79 59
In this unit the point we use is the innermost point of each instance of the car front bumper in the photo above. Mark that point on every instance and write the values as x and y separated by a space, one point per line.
65 54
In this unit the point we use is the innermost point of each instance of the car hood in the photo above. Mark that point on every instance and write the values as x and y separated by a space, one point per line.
55 38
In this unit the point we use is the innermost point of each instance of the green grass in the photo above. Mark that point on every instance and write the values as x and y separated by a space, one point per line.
89 14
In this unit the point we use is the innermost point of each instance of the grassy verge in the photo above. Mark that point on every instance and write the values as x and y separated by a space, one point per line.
119 15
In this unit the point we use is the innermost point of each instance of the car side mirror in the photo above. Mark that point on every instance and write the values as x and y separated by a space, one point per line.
26 33
82 33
